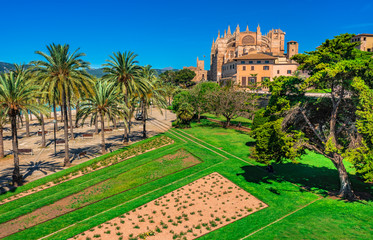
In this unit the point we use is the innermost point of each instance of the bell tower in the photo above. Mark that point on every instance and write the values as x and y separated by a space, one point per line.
292 49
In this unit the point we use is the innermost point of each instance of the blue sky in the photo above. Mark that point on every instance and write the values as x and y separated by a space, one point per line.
167 33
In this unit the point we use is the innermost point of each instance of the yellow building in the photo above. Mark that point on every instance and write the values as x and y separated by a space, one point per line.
366 41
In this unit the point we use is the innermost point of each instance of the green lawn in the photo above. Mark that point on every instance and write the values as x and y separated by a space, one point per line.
226 151
244 121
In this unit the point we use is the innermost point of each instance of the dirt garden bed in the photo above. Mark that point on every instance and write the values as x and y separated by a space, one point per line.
189 212
126 181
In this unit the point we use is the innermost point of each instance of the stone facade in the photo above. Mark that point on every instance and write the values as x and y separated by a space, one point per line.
201 73
366 42
232 45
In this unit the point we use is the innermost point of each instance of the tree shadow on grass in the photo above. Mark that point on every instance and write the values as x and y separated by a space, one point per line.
321 180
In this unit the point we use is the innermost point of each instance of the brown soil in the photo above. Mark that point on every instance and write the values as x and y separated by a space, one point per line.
188 212
80 199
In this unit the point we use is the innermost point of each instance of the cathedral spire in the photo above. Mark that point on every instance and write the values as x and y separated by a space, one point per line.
229 30
238 28
218 35
225 33
247 28
258 29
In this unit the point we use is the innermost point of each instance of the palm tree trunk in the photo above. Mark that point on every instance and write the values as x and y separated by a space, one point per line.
144 120
96 125
1 143
27 124
30 116
55 117
115 123
70 118
76 114
103 149
55 128
126 122
17 177
66 162
62 114
42 130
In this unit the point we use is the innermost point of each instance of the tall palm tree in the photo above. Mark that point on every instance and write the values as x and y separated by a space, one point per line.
16 95
103 102
122 69
153 94
65 71
22 69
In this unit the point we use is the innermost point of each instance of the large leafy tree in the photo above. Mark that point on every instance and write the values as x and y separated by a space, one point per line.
331 126
229 103
184 78
103 102
64 71
199 97
16 95
122 69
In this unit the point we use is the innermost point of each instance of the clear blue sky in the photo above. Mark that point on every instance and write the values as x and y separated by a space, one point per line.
167 33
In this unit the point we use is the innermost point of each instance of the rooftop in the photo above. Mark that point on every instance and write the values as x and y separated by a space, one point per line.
256 56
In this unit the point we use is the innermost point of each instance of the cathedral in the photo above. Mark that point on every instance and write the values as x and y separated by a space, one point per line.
240 45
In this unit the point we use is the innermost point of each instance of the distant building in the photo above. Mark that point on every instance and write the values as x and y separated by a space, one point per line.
251 56
201 73
366 41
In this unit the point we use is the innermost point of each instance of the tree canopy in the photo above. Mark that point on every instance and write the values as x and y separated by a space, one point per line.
334 126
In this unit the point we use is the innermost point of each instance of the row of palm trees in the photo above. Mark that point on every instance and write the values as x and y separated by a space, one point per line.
60 80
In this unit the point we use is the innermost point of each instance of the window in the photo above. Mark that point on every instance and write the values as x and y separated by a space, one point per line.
243 81
203 76
233 66
244 68
266 61
289 71
265 67
243 62
278 71
369 49
259 61
252 68
365 38
251 62
252 79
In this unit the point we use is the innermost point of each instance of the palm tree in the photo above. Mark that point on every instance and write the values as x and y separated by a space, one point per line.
122 69
16 95
153 94
21 69
63 71
103 102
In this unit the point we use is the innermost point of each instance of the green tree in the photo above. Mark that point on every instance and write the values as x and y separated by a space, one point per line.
63 71
229 103
16 95
326 125
168 76
199 97
184 115
181 97
122 69
184 78
103 102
